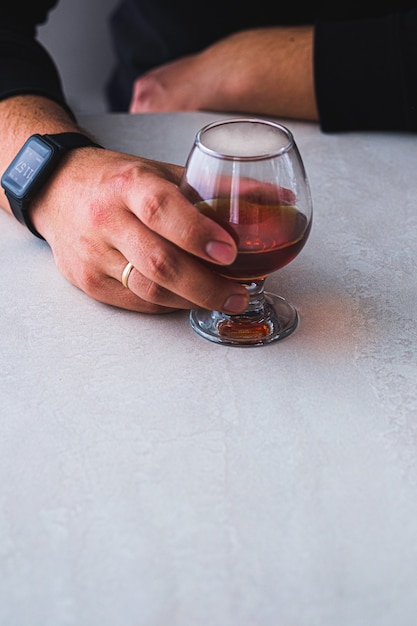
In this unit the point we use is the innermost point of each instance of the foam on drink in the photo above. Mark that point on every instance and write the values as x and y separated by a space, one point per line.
245 139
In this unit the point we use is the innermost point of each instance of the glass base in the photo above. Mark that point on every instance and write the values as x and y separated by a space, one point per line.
275 320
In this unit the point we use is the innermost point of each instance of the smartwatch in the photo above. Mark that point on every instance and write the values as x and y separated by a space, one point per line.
32 167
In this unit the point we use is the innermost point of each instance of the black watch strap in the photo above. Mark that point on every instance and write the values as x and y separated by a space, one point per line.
70 141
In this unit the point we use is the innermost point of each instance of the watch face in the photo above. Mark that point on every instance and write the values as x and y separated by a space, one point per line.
27 166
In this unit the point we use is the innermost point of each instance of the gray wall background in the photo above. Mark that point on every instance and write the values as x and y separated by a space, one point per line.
77 35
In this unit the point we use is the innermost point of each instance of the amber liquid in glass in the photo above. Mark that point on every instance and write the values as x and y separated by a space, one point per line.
268 236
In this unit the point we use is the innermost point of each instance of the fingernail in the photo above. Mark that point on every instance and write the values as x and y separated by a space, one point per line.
236 303
221 252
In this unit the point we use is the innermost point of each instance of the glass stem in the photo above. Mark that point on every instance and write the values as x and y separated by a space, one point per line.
256 294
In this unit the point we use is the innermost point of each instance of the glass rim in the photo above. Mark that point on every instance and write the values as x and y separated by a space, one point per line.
252 120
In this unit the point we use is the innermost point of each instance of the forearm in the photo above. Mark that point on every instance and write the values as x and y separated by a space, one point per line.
267 71
271 73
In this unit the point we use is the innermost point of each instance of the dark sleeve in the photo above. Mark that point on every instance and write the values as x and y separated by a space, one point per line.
25 65
366 73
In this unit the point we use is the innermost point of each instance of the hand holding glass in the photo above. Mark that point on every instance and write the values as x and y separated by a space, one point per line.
247 175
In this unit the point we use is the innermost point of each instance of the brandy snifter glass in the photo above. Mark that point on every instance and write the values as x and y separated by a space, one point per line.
247 174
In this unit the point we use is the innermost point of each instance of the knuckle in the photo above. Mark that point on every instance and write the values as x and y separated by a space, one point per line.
154 293
89 281
153 208
152 199
154 297
162 267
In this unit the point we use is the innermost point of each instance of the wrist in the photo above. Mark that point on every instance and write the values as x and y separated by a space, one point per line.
34 164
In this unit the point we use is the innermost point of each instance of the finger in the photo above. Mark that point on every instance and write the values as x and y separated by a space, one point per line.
155 296
166 211
147 290
234 300
147 295
114 293
168 267
102 281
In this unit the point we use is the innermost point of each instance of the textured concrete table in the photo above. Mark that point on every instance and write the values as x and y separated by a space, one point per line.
151 478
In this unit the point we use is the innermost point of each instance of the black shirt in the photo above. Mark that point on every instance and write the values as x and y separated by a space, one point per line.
365 57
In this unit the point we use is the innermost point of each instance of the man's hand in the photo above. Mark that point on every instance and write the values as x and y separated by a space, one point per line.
102 209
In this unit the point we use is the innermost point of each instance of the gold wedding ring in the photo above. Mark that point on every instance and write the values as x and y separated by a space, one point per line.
126 274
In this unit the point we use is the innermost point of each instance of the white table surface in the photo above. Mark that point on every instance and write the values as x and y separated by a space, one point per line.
151 478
